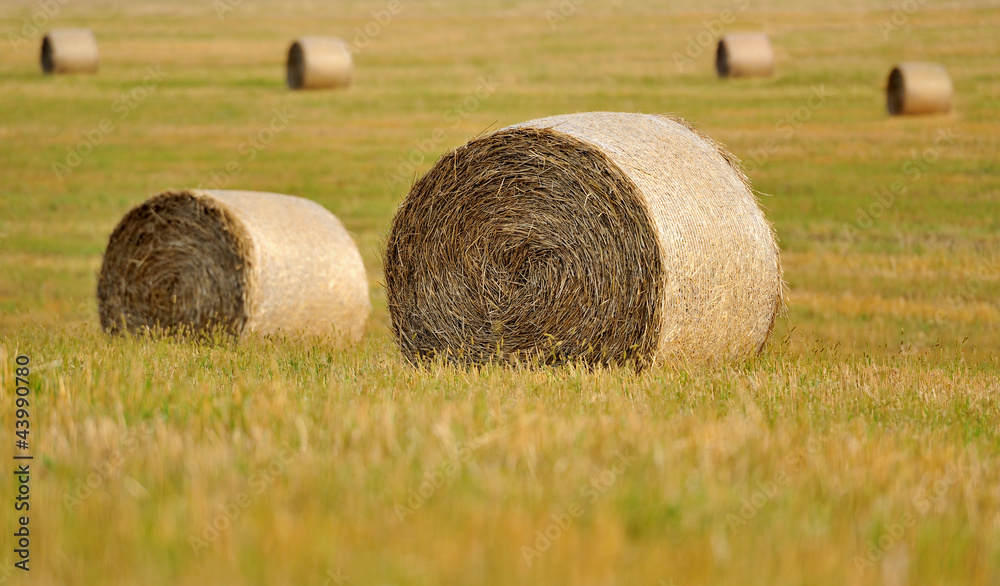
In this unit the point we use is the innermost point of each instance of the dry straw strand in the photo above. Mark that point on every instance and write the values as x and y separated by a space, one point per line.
744 55
919 88
603 237
319 62
69 51
236 260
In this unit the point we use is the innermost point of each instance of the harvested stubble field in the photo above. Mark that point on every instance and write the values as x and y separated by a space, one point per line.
863 446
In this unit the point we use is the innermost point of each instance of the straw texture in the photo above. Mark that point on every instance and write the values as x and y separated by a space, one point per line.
237 260
69 51
602 237
319 62
919 88
744 55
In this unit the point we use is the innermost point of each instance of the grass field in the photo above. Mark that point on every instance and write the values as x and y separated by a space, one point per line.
863 447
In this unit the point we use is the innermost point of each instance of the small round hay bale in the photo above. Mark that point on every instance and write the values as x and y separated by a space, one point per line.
240 261
744 55
919 88
69 51
599 237
319 62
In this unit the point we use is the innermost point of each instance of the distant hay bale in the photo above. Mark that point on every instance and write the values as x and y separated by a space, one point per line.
319 62
600 237
239 261
744 55
69 51
919 88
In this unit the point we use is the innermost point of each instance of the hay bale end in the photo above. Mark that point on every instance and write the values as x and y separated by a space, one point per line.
69 51
600 237
319 62
919 88
240 261
744 55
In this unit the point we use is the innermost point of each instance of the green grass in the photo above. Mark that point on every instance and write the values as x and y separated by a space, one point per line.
872 417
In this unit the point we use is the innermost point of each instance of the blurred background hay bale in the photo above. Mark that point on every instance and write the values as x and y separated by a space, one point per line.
603 237
69 51
319 62
234 260
744 55
919 88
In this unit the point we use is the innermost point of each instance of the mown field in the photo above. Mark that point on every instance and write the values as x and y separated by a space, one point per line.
863 446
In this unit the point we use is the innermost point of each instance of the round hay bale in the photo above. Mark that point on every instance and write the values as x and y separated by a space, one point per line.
744 55
919 88
599 237
240 261
69 51
319 62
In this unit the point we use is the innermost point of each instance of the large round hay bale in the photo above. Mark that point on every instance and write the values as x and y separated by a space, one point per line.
69 51
319 62
919 88
744 55
601 237
240 261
